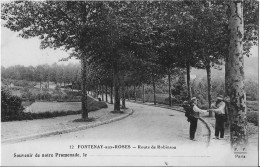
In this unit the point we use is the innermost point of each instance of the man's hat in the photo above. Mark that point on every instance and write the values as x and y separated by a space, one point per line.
220 97
193 98
185 103
226 99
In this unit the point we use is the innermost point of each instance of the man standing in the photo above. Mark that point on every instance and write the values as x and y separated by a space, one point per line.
192 113
219 108
187 110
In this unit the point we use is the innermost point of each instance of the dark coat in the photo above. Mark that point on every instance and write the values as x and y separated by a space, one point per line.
189 112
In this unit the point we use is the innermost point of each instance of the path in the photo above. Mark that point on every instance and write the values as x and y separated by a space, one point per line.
149 126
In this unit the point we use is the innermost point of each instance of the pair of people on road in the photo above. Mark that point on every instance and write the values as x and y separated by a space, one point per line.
192 112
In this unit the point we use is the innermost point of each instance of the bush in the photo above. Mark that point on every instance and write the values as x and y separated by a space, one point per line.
44 96
28 95
251 89
57 88
252 105
174 101
21 83
149 89
179 90
95 104
48 114
11 106
72 93
252 117
18 114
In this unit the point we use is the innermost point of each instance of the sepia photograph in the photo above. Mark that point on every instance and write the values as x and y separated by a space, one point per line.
130 83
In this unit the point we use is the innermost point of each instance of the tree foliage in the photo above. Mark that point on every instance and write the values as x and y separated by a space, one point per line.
129 42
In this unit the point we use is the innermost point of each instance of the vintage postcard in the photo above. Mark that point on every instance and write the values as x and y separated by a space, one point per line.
129 83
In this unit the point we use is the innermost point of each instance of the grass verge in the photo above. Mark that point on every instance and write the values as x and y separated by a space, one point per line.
41 114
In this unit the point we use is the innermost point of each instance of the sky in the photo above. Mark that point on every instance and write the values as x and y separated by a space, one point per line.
16 50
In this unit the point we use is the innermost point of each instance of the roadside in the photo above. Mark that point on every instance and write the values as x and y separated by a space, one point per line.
21 130
206 131
148 126
252 133
131 140
210 121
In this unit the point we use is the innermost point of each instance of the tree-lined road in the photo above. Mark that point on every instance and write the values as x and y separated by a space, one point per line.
142 42
148 124
146 127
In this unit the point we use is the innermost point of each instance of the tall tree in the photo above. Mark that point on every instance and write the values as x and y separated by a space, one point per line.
58 24
210 37
235 86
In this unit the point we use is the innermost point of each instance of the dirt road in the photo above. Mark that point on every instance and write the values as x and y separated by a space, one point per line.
151 136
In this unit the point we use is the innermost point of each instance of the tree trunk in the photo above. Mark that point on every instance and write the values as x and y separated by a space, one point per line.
143 93
154 93
102 92
209 87
227 93
83 87
111 94
128 94
106 94
235 86
169 84
116 88
123 95
135 92
188 79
